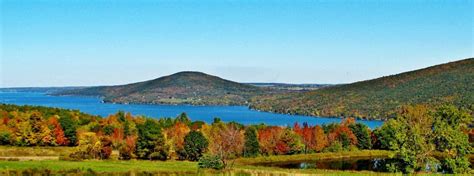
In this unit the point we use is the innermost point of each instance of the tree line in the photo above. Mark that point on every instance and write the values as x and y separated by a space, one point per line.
417 135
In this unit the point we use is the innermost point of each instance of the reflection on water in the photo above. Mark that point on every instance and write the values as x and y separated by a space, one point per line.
354 164
375 164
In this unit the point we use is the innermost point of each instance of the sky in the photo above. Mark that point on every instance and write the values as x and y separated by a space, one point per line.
111 42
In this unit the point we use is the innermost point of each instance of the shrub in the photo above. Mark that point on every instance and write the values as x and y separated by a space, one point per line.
158 156
211 162
335 147
5 138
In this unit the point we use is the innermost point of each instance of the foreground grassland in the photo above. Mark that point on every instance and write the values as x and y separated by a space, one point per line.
243 166
152 167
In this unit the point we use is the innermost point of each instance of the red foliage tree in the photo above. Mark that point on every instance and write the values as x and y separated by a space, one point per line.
58 132
268 139
342 132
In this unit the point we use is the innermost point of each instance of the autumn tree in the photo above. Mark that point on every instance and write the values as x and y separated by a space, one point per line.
342 134
58 132
268 139
289 143
176 136
127 150
320 140
228 143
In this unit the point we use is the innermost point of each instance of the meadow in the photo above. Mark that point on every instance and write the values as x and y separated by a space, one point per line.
243 166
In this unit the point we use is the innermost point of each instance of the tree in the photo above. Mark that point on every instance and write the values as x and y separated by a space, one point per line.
195 144
105 147
362 132
385 136
228 142
127 149
320 139
149 137
344 135
69 127
88 147
176 134
448 126
289 143
58 132
183 118
161 149
413 147
268 138
251 147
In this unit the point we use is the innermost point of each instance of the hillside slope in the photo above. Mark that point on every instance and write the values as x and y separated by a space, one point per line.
181 88
379 98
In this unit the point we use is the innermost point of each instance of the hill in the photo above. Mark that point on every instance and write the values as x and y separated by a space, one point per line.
380 98
181 88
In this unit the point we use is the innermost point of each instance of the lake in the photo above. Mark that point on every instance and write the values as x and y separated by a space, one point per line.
241 114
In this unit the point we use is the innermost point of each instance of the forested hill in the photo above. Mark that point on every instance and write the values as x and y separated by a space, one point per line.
379 98
181 88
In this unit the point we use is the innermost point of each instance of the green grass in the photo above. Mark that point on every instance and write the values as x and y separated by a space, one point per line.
243 166
103 166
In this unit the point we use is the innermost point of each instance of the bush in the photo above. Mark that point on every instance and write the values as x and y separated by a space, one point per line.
5 138
211 162
336 146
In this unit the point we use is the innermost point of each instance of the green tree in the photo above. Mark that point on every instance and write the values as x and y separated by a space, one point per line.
413 145
251 146
69 126
161 150
183 118
362 132
149 137
385 135
195 144
450 139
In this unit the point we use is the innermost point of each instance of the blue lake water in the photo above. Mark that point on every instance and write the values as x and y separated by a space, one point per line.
95 106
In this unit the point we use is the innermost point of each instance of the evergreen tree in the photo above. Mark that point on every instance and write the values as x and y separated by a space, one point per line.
362 133
251 147
69 127
149 136
195 144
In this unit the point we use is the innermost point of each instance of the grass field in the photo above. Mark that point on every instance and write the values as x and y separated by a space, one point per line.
151 167
243 166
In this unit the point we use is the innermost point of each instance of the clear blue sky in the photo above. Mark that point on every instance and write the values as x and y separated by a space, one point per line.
71 43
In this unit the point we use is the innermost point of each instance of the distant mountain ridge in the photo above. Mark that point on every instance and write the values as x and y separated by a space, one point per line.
194 88
379 98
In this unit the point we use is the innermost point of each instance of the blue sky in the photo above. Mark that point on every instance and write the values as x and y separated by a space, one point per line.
82 43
